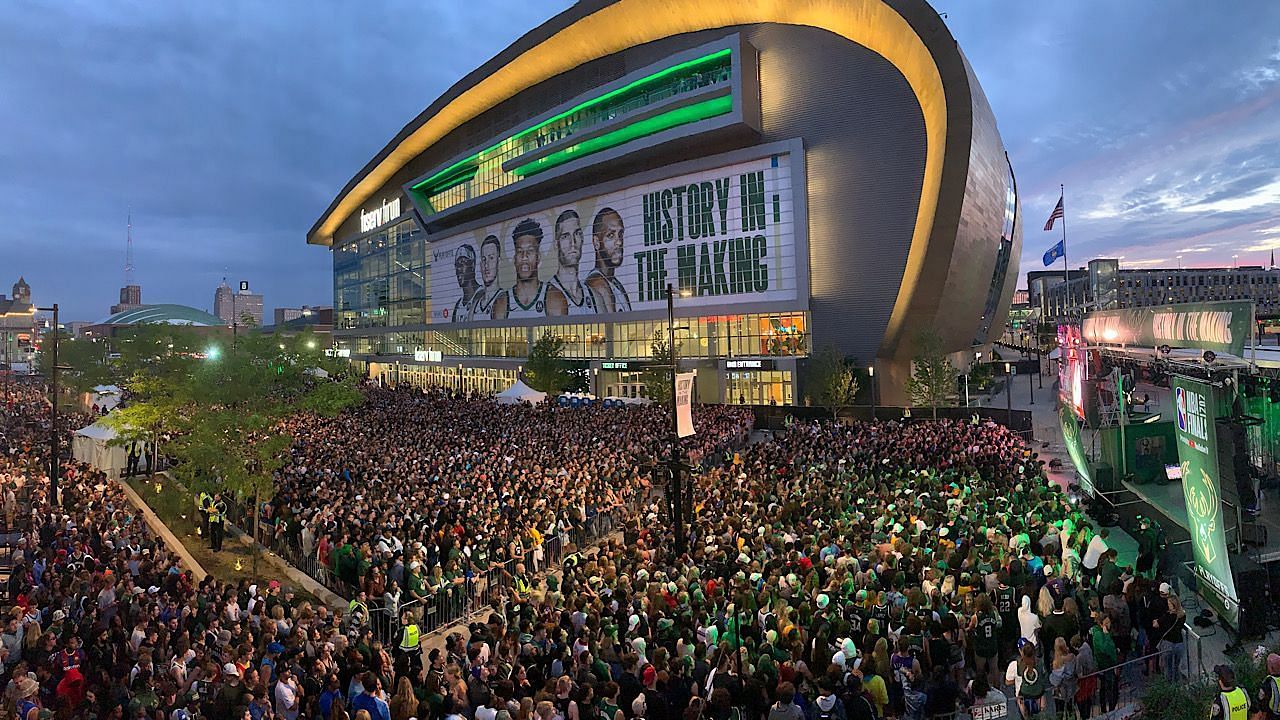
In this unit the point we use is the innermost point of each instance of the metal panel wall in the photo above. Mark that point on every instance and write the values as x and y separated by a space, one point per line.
865 147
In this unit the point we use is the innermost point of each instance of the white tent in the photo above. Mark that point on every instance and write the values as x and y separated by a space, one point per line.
90 445
519 392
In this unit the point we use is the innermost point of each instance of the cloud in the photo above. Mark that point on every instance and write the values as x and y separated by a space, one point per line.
1258 77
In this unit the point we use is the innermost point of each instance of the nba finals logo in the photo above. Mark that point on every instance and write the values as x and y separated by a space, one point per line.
1193 418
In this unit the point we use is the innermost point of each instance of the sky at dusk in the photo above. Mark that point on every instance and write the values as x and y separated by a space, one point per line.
226 128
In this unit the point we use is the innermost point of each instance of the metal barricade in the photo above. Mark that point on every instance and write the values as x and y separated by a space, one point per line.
1125 683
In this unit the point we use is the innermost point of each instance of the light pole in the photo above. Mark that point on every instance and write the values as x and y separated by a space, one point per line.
1179 263
1235 262
53 411
1008 394
675 463
871 372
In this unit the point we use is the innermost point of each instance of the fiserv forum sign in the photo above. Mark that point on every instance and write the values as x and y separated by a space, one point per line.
1196 407
720 236
1217 326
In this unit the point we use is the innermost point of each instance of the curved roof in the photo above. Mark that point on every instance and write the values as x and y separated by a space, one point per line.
588 30
165 314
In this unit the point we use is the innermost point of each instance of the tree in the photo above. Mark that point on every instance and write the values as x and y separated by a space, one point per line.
546 370
86 359
833 379
226 403
657 380
933 377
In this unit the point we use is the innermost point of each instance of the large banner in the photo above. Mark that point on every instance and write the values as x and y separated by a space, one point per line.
718 236
684 404
1217 326
1197 404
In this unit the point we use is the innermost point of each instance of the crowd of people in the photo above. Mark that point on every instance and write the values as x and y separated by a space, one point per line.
415 492
875 570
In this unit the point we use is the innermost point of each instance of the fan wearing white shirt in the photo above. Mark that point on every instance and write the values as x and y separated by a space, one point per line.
1093 554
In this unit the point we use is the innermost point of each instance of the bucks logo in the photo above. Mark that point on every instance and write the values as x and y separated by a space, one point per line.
1202 510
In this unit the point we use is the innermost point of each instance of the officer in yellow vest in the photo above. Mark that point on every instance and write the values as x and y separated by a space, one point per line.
1232 702
1269 691
410 646
358 609
205 502
217 516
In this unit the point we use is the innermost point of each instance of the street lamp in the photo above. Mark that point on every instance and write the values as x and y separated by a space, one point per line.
53 411
977 356
1008 394
871 373
1235 262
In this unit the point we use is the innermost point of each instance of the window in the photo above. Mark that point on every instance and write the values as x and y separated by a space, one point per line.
483 172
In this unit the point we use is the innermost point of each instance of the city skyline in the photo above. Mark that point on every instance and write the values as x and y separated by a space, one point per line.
1168 143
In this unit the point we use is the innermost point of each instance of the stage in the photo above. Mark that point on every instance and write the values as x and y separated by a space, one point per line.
1168 502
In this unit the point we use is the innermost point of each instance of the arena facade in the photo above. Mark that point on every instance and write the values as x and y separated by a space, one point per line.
804 174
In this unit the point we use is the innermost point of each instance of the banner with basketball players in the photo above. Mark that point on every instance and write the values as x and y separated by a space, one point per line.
718 236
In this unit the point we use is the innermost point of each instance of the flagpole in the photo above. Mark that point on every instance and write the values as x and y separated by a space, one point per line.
1066 272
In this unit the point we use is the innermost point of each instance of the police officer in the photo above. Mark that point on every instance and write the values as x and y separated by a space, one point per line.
358 609
410 646
204 502
1232 702
1269 691
217 517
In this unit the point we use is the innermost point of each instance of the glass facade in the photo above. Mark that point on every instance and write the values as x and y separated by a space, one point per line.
381 279
706 337
759 387
485 380
483 172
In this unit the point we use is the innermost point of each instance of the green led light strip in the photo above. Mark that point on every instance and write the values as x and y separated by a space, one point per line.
680 116
419 187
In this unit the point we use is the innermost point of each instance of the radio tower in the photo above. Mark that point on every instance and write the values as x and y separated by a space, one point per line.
128 253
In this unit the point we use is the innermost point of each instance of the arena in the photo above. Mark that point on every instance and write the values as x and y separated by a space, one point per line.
808 174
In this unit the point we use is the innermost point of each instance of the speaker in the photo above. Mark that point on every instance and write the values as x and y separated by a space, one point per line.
1104 478
1233 462
1252 585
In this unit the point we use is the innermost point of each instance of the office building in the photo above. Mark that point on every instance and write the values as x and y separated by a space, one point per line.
1103 285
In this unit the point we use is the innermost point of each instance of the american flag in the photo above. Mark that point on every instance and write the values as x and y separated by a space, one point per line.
1057 213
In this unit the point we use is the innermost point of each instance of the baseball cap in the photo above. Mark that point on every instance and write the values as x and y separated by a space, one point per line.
273 584
650 674
1165 588
231 669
